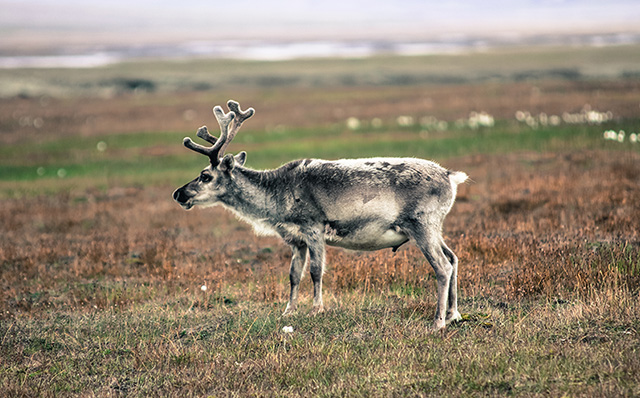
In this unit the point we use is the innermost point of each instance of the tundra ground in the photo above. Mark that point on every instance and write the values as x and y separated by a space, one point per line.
102 273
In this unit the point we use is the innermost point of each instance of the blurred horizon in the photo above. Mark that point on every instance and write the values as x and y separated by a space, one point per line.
74 33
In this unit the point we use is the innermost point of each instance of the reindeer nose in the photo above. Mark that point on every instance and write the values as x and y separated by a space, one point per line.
176 194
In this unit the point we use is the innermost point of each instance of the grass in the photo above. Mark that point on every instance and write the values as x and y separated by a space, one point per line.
101 273
146 158
376 346
101 295
371 344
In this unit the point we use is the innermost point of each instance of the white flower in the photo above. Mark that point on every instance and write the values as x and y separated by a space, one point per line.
482 119
203 288
287 329
353 123
405 121
543 118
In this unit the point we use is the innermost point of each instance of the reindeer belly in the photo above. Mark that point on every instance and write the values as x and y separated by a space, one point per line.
359 235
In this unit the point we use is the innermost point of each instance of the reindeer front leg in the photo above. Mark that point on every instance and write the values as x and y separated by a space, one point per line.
316 268
298 261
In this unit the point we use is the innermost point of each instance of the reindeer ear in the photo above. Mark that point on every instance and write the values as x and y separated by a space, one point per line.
227 163
241 158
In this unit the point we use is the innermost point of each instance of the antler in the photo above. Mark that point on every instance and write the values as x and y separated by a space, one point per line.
216 151
241 116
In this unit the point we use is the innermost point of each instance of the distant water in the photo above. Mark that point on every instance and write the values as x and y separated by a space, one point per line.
87 60
279 51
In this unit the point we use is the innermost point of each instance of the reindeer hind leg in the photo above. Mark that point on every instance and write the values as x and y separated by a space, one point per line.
428 239
452 302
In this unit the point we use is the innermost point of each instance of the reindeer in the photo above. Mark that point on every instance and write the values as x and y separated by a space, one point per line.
358 204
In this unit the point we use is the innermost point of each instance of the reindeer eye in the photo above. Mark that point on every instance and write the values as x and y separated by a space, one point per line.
205 177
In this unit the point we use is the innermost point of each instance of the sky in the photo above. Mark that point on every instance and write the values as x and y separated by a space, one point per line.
74 22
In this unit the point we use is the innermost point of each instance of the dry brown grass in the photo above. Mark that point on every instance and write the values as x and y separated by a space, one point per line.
100 288
100 295
528 225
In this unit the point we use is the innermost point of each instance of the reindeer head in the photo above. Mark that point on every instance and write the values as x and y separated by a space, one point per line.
213 181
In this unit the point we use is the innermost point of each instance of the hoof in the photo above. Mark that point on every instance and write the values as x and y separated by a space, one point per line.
438 325
453 318
316 310
289 311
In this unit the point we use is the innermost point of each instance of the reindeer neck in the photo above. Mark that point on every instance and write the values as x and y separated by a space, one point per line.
253 194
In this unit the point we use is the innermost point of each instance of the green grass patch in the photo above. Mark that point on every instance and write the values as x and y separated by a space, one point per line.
155 157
